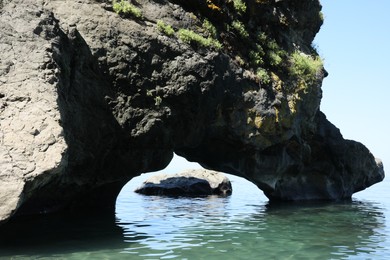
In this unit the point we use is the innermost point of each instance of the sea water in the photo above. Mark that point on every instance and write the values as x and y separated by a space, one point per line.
241 226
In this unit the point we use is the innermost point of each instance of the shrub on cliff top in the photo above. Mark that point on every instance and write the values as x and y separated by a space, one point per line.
305 67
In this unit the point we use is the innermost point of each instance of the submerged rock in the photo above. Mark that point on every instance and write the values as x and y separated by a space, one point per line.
91 97
188 183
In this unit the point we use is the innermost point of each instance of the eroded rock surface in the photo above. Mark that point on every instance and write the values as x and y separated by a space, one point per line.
188 183
90 98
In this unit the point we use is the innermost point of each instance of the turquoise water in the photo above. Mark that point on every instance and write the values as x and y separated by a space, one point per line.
242 226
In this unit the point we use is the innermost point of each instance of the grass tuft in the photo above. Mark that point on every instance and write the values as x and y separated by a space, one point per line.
124 7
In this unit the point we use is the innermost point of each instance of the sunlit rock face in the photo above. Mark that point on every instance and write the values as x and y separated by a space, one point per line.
92 95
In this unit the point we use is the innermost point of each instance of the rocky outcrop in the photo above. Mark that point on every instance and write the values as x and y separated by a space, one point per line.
32 144
188 183
90 98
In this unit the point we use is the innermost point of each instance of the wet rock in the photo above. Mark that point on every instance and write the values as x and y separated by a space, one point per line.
187 183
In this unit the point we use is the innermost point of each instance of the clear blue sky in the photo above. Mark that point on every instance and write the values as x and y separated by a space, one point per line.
355 45
354 42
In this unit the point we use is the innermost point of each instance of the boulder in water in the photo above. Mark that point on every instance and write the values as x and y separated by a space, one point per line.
188 183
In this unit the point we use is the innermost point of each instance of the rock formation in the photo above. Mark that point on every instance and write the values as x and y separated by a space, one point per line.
188 183
93 93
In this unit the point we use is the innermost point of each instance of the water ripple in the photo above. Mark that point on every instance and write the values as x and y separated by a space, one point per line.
240 226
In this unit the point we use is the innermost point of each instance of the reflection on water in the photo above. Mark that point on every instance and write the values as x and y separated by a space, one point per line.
243 226
57 236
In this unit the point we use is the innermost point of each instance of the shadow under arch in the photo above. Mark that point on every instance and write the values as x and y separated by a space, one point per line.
247 224
177 165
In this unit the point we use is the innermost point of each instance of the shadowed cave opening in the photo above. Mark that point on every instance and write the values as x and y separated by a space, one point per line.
162 222
177 165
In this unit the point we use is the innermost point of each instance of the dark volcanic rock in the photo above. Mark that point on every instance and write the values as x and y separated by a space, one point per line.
187 183
90 98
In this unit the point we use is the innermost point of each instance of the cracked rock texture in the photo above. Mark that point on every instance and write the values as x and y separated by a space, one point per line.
90 99
32 144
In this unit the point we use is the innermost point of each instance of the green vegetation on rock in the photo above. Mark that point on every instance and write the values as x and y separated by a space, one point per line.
189 37
126 8
210 28
262 74
256 56
239 27
275 53
157 101
305 67
239 6
165 28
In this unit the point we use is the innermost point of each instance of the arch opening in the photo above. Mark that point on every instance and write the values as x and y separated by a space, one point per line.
158 222
179 164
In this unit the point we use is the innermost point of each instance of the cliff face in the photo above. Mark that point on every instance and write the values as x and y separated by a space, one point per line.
94 93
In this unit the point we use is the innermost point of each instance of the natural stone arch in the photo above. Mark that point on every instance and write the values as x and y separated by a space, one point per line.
179 164
109 100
